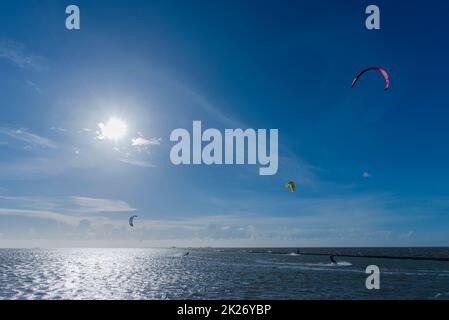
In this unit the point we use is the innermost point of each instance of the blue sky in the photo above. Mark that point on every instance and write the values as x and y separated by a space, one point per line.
159 65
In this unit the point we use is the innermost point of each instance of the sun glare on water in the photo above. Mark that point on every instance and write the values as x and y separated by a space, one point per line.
114 129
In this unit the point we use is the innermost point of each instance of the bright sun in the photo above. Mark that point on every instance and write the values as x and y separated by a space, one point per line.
114 129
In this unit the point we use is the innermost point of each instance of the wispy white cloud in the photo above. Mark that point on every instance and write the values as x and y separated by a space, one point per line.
28 137
54 128
332 221
209 107
68 205
40 214
15 53
142 141
137 153
34 86
366 175
101 205
135 162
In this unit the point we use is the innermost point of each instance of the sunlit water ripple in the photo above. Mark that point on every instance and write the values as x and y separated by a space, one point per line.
209 274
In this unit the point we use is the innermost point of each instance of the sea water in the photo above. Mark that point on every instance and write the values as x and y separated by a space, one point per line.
217 274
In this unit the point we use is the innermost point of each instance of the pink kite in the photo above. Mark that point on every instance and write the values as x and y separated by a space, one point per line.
382 71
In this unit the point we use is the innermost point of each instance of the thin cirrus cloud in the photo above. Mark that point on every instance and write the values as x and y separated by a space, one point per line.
135 162
315 226
28 137
40 214
14 52
70 205
131 157
88 204
66 210
34 86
